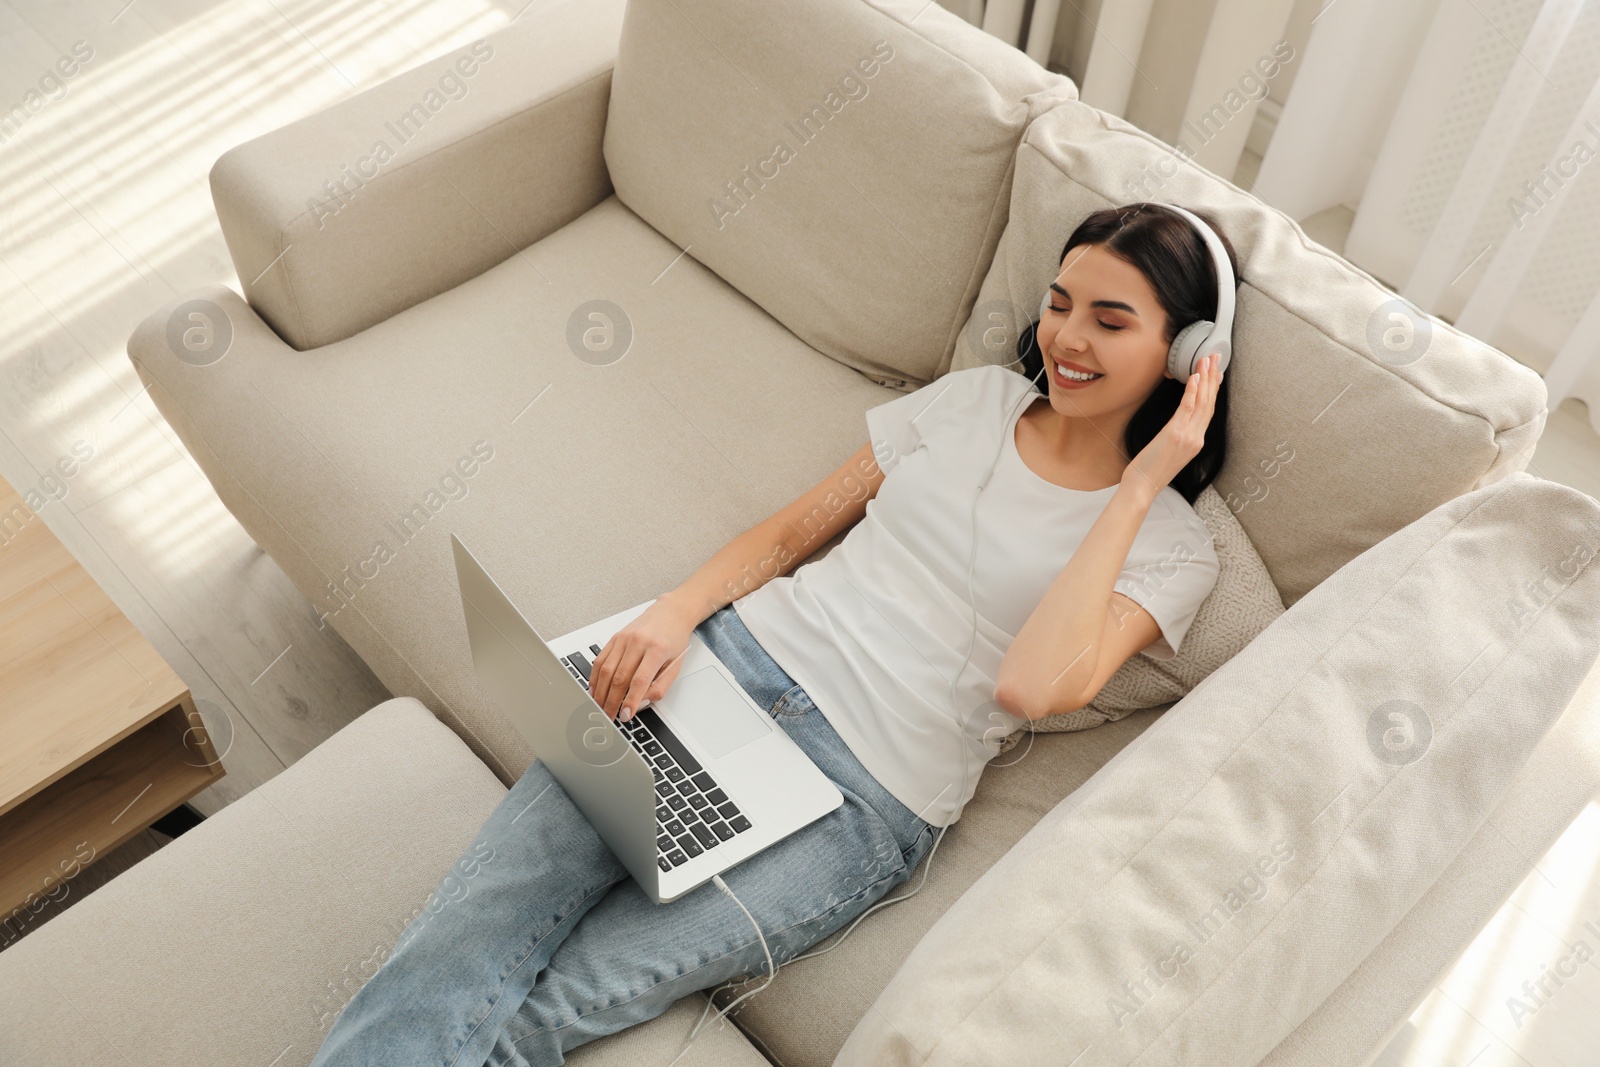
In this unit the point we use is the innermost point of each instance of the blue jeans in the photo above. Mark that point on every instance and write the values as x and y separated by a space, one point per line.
538 940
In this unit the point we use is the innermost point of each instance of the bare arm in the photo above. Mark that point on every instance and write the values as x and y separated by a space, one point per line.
1082 631
641 660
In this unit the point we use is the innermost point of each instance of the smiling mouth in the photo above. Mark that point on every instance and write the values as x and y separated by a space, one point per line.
1077 377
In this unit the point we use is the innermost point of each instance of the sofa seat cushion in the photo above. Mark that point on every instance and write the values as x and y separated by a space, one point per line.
847 165
500 411
1351 414
239 943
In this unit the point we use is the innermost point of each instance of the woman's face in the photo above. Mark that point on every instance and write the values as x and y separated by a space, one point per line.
1103 318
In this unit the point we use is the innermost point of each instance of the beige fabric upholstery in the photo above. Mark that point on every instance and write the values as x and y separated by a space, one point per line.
1559 780
1241 605
1330 448
239 943
607 484
1205 892
846 165
484 151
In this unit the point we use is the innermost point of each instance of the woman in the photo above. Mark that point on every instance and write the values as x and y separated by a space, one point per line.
1075 549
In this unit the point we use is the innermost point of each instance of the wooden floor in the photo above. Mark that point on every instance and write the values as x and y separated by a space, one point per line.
105 213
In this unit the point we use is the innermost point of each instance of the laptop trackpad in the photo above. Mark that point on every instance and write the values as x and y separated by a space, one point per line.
705 705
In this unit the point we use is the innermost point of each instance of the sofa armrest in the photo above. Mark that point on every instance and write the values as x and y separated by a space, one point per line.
348 216
251 931
1213 883
239 944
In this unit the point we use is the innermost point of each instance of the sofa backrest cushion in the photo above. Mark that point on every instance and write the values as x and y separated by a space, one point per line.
1351 414
845 164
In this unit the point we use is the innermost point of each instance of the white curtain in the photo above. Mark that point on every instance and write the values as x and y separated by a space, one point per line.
1471 171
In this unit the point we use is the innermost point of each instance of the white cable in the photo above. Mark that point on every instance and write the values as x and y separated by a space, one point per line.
772 970
927 867
972 558
880 904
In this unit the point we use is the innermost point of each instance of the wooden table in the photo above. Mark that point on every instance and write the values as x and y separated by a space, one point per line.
98 737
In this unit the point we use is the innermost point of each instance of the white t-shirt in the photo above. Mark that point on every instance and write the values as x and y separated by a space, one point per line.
876 629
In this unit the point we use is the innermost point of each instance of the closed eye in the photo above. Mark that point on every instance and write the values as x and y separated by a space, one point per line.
1107 325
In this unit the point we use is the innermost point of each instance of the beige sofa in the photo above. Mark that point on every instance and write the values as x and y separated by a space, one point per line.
791 218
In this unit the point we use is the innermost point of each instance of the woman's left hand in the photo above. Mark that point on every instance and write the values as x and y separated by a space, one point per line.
1181 439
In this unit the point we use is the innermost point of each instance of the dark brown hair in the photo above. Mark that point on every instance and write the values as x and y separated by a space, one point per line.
1176 261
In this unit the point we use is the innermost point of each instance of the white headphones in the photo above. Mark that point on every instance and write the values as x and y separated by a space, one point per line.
1200 338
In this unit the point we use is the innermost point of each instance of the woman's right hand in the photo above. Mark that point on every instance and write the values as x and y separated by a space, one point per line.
641 660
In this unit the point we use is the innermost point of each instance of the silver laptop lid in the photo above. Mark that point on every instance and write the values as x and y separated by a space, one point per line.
569 733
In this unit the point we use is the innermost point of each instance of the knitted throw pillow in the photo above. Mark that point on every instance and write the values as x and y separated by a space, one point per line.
1242 604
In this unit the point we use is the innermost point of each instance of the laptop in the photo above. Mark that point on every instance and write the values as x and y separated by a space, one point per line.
690 786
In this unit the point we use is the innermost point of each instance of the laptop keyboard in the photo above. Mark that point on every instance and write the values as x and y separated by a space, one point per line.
693 814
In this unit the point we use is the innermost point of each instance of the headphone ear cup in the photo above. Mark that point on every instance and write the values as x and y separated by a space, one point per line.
1190 339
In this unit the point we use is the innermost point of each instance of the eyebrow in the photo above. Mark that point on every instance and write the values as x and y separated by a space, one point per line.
1115 305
